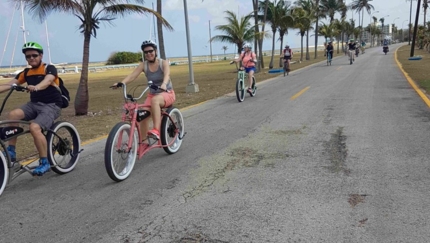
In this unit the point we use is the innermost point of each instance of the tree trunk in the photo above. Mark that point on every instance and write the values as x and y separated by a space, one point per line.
161 49
258 50
82 96
260 40
307 46
301 47
280 50
317 4
273 50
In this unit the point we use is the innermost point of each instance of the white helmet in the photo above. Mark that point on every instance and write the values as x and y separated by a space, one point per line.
247 45
148 43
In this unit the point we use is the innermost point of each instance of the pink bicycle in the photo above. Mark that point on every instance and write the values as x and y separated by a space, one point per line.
124 144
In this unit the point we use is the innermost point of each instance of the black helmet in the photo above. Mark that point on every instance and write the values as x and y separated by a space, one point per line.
148 43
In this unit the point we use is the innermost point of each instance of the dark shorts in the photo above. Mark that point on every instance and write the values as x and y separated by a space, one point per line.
287 57
248 69
42 114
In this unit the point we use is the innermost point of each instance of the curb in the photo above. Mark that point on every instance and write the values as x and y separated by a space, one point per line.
411 81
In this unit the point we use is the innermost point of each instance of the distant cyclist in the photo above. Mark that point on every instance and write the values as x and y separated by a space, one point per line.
288 55
351 49
249 59
329 49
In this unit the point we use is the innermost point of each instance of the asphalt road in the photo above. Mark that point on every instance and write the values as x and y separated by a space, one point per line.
328 154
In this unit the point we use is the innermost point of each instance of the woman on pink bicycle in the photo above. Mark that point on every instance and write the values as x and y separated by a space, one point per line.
156 70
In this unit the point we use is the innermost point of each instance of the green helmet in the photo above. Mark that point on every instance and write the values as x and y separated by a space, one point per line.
32 46
351 40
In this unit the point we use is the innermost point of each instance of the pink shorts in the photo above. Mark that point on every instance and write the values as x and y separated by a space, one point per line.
169 98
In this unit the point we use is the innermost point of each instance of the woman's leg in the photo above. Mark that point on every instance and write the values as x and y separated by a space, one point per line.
250 75
156 103
144 127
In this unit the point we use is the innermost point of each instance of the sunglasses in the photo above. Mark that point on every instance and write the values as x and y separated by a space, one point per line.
150 51
31 56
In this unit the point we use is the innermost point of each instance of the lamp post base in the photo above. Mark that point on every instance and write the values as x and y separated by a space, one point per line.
192 88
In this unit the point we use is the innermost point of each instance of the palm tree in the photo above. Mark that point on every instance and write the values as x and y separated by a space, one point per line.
425 7
235 31
262 34
360 6
349 28
340 26
310 12
276 16
331 7
224 48
91 13
161 49
382 20
327 30
303 22
283 28
317 15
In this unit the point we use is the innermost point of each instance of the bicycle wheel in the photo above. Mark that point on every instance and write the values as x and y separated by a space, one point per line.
172 130
240 90
254 87
285 68
119 160
63 147
4 173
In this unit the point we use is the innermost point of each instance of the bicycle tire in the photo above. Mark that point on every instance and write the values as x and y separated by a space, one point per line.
285 68
254 88
240 90
168 130
4 173
63 147
118 172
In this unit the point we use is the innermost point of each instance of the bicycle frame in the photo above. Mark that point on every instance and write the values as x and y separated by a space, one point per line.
241 74
131 109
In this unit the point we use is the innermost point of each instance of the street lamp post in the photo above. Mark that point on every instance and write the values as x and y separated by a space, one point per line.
403 32
410 22
392 27
191 87
371 43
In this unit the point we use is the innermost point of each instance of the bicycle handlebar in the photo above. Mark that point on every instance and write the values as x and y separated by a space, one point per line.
129 97
12 88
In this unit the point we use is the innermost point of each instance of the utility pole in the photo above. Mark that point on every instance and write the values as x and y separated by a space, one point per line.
410 22
210 39
416 27
191 87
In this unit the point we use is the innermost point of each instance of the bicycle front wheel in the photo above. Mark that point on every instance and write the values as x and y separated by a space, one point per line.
63 147
4 173
240 90
172 130
285 68
120 157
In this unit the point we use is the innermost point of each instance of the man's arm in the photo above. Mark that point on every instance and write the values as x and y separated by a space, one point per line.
7 86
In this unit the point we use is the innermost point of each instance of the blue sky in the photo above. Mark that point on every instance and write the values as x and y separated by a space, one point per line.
127 33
